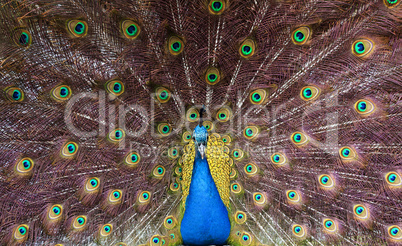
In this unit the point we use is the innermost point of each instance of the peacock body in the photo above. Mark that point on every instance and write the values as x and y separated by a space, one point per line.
170 122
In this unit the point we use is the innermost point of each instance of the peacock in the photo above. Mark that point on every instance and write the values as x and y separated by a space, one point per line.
200 122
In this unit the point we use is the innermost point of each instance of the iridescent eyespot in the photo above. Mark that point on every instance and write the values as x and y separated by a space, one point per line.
364 107
114 87
106 230
362 47
226 139
178 170
250 169
393 179
298 230
92 184
309 93
130 29
158 171
174 186
247 48
223 114
162 94
173 152
69 149
155 240
233 174
347 153
251 132
144 197
293 196
164 129
278 158
132 158
391 3
14 94
361 211
192 115
236 188
186 137
120 244
299 138
246 238
78 28
21 232
24 166
258 96
329 225
79 222
170 222
22 38
237 154
326 181
116 135
259 198
216 7
301 35
208 125
176 45
212 76
61 93
240 217
55 212
115 196
395 232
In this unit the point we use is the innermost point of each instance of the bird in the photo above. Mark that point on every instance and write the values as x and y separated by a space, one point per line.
200 122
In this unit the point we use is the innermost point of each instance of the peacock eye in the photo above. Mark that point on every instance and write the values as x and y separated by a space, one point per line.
106 230
362 47
364 107
22 38
347 153
144 197
309 93
250 169
395 232
212 76
278 158
258 96
360 211
240 217
298 230
55 212
164 129
174 186
61 93
186 137
245 239
236 188
77 28
247 48
173 152
326 181
192 115
237 154
233 174
92 184
69 149
293 196
116 135
158 171
259 198
170 222
115 196
24 166
14 94
115 87
223 114
130 29
175 45
251 132
393 179
301 35
132 159
216 7
391 3
329 225
299 138
21 232
162 94
79 222
208 125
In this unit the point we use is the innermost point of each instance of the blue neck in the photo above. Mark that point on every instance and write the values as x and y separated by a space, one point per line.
206 219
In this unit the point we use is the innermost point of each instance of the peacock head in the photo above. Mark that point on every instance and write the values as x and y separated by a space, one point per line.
200 136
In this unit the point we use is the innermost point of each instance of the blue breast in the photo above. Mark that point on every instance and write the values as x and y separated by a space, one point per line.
206 219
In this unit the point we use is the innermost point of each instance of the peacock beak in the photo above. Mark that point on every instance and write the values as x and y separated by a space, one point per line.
201 149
